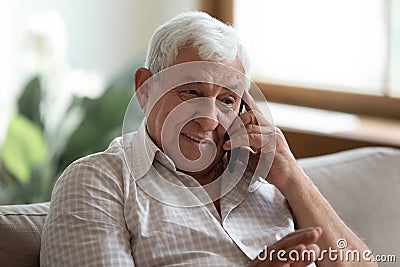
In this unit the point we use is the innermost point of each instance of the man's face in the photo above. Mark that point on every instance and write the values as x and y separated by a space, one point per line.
189 121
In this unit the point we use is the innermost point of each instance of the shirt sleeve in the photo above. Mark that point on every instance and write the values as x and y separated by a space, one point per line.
85 225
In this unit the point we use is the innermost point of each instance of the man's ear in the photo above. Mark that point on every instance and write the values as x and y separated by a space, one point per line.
142 90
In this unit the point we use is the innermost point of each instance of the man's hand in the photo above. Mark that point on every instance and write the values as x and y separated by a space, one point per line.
272 159
267 143
298 241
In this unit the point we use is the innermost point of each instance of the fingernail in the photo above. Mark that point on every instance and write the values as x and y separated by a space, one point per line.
319 230
300 247
227 145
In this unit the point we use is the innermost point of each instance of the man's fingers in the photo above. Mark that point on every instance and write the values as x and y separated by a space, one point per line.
307 255
249 102
297 249
254 136
303 230
247 118
253 114
252 117
297 256
305 236
275 260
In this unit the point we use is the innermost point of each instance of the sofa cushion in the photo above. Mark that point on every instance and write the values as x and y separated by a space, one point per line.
20 230
363 186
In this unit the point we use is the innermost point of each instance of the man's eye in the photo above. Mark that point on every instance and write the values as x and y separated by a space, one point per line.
189 92
228 101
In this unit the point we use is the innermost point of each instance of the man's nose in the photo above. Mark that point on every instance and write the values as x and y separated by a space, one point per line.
207 124
207 118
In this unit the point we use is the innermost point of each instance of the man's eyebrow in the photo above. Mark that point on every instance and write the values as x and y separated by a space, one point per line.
238 86
233 86
189 79
192 83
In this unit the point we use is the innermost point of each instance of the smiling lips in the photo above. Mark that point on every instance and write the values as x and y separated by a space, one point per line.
200 140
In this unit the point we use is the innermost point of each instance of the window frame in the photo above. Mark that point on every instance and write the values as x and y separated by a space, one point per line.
360 104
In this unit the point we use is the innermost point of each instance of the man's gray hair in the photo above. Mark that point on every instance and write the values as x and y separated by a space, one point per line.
214 40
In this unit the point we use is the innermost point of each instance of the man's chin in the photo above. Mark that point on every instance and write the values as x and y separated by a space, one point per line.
192 161
192 155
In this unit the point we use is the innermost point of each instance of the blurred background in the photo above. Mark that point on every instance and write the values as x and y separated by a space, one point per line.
331 70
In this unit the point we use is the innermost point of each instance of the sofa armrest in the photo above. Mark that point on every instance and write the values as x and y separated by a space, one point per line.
20 231
363 187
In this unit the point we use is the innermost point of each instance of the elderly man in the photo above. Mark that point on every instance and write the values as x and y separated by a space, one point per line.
205 181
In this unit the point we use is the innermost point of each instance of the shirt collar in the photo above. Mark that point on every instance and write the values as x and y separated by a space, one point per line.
144 152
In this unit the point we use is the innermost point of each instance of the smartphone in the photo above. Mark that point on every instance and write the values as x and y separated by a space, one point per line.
231 165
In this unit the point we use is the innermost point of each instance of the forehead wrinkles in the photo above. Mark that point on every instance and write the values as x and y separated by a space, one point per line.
201 72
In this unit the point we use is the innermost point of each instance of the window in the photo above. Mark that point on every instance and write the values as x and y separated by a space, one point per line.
335 54
338 45
394 62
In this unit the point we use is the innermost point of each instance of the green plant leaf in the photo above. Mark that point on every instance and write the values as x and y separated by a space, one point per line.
102 122
23 149
29 101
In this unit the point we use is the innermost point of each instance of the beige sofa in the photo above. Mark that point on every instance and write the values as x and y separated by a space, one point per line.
362 185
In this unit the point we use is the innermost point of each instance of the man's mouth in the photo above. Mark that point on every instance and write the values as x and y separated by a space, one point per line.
197 139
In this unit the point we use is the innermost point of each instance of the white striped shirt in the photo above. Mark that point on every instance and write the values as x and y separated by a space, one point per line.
120 208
